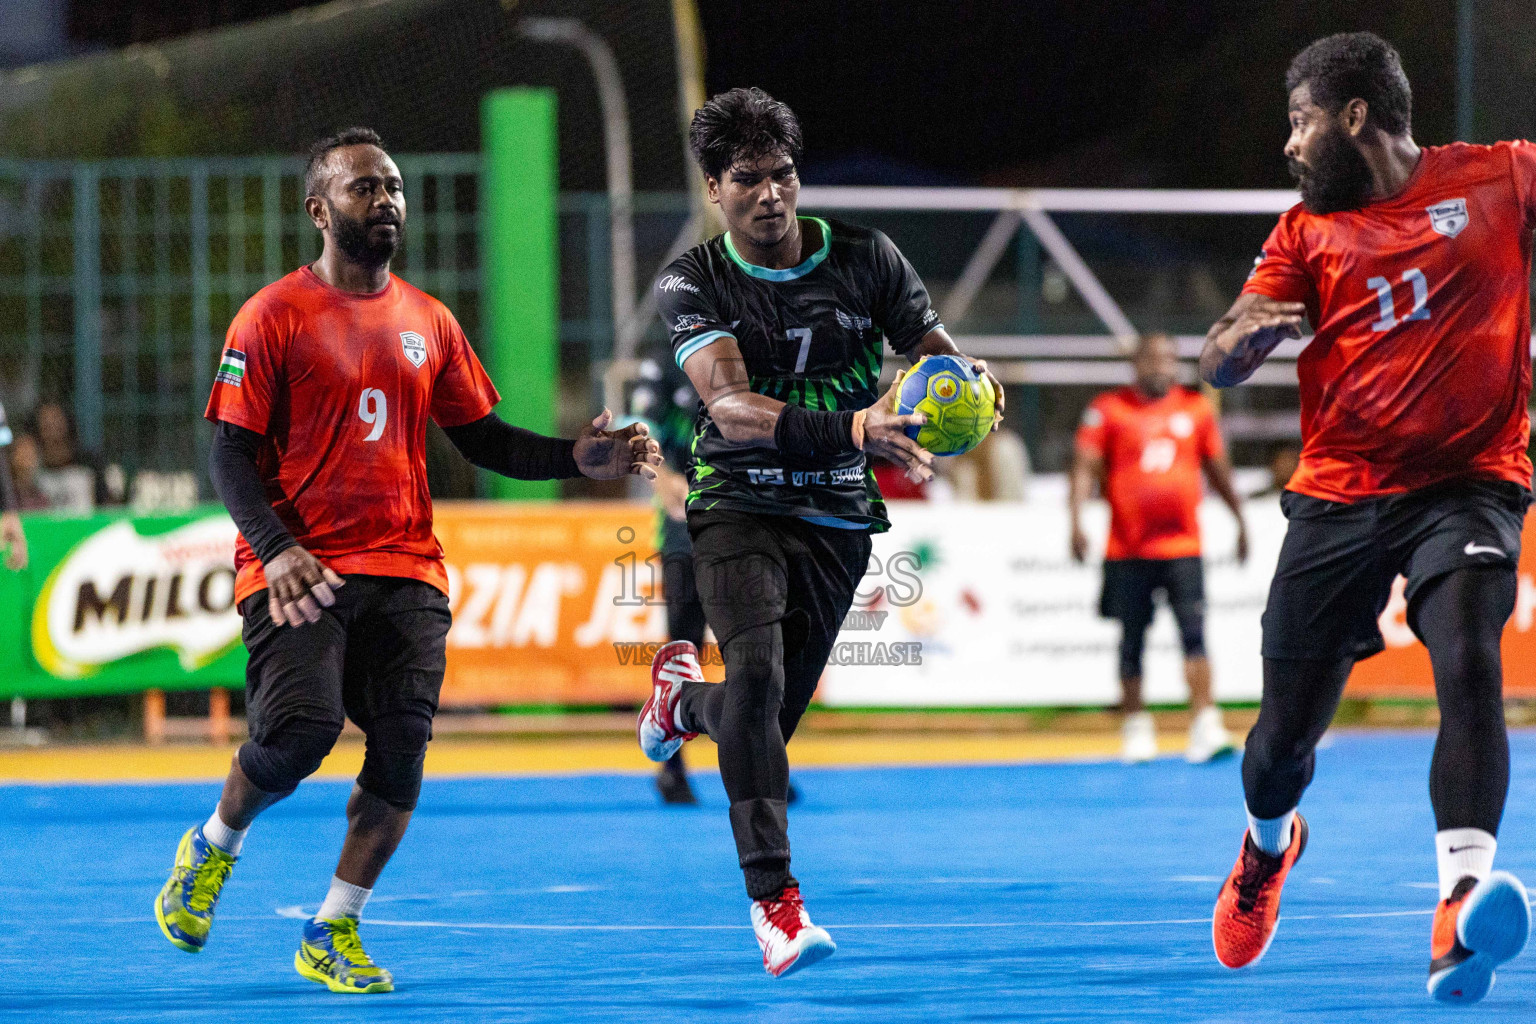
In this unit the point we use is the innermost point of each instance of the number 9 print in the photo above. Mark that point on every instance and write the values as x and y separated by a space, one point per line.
373 408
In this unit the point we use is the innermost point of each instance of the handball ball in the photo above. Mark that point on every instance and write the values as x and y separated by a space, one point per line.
957 402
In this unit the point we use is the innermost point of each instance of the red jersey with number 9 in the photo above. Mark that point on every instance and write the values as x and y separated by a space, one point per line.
1419 370
1154 450
341 386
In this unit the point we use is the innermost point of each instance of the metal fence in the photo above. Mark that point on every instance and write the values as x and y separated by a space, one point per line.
119 278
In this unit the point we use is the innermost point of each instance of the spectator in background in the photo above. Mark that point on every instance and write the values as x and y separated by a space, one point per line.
996 470
25 462
1282 466
1146 446
13 540
73 481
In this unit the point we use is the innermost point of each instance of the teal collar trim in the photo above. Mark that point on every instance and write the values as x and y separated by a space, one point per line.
810 264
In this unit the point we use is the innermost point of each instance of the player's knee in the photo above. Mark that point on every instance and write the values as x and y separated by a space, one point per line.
754 674
282 760
1191 619
1133 642
395 757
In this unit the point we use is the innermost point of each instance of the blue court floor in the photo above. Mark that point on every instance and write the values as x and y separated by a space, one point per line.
1041 893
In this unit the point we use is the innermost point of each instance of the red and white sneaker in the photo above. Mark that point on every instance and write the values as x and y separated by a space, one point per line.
1480 926
676 663
788 939
1248 908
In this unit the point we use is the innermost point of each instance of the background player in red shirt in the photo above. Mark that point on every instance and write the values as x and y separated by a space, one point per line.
322 397
1413 266
1146 447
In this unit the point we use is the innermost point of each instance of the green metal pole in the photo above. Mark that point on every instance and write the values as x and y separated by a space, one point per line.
520 294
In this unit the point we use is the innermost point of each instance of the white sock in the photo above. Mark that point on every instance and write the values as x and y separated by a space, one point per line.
1272 835
221 835
1460 852
344 900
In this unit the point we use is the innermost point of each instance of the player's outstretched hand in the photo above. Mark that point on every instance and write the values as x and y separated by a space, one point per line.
13 541
1250 331
980 366
885 434
604 454
298 586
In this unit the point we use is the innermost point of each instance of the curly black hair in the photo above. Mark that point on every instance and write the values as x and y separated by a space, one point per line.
314 181
1356 65
743 124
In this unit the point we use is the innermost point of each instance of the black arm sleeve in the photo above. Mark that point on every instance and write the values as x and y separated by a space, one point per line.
232 465
494 444
9 502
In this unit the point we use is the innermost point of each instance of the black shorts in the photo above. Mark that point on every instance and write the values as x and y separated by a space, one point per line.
380 650
1130 583
1338 560
752 570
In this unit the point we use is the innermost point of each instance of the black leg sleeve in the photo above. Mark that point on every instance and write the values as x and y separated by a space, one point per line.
1460 617
1299 700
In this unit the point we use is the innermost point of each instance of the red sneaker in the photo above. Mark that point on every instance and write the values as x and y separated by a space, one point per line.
675 664
1249 905
1480 926
788 939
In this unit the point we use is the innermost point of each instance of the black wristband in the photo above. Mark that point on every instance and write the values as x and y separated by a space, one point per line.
814 433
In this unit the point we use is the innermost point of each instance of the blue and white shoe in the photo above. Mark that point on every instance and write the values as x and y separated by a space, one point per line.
1480 926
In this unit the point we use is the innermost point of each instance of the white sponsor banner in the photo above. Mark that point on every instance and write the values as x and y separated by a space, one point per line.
119 593
1007 619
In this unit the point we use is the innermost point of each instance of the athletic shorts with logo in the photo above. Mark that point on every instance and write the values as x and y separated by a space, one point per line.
1338 561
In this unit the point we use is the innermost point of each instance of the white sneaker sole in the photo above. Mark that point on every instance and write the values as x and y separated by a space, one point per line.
815 946
653 741
1494 923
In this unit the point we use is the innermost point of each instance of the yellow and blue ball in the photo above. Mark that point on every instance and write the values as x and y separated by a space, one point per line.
957 401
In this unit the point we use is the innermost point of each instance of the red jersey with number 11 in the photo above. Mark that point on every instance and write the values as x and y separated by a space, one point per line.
1420 368
341 385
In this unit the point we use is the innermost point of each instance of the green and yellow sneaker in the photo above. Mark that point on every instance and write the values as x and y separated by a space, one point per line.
185 905
332 954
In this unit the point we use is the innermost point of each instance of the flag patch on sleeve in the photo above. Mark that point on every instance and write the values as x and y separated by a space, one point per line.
231 368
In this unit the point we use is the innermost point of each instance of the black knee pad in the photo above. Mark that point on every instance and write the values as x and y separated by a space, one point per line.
282 760
396 753
1133 641
1191 619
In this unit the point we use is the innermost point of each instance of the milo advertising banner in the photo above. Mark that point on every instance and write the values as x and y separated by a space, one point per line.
111 604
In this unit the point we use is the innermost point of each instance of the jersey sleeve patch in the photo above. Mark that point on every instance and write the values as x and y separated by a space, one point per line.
687 309
231 368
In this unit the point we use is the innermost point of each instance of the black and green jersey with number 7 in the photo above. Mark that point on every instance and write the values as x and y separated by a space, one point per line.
811 335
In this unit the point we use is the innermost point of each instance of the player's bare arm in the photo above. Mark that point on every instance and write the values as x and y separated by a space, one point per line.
1218 470
719 375
937 342
1087 473
1238 343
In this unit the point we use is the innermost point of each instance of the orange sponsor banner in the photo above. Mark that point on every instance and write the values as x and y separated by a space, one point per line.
552 604
1403 669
